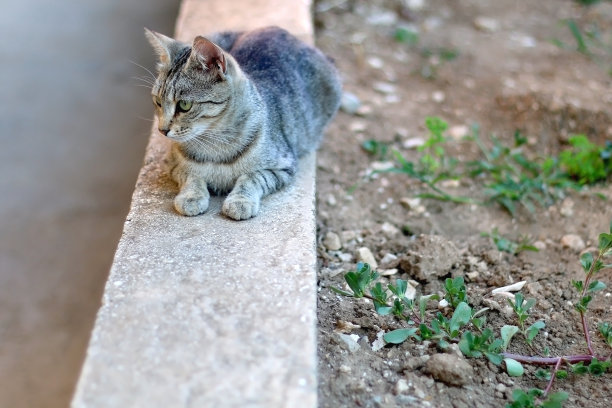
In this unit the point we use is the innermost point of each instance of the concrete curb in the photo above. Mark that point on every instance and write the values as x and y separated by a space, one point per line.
204 311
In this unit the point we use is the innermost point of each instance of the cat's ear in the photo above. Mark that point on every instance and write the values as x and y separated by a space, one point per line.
206 55
165 47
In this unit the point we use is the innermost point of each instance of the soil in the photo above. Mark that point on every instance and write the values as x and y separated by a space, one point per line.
505 73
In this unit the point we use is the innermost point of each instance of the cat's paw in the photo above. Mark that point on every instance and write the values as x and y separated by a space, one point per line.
191 203
239 207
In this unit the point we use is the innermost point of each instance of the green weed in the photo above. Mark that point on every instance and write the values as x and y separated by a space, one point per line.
504 244
463 325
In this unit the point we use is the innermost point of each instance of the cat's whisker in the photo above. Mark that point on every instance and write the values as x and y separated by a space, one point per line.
153 76
147 119
145 80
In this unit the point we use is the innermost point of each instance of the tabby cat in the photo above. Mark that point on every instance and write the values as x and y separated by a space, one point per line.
240 109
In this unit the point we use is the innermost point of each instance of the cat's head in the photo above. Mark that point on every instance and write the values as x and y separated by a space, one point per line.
193 86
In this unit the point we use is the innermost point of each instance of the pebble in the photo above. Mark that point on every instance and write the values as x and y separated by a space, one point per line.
438 96
384 88
332 242
389 259
348 236
331 200
387 272
350 103
500 387
365 255
540 245
410 203
345 257
415 4
486 24
401 386
383 17
458 132
375 62
343 326
350 341
450 369
379 343
389 230
358 127
381 166
573 241
413 143
567 208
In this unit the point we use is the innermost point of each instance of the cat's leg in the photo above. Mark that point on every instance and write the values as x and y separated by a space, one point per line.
193 199
244 199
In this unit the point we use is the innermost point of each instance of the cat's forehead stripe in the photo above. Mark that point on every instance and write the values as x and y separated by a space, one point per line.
177 65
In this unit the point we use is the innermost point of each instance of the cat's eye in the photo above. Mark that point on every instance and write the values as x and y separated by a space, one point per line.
184 106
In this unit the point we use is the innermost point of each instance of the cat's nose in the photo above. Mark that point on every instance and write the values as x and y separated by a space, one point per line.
164 131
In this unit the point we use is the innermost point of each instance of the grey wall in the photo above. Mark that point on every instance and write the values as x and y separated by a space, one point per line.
74 124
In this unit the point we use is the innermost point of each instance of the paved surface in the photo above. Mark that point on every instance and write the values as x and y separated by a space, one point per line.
72 144
206 311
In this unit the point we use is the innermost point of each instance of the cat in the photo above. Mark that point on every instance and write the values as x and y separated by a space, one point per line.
240 109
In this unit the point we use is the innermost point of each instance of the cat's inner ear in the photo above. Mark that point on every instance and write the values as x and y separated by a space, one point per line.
165 47
207 55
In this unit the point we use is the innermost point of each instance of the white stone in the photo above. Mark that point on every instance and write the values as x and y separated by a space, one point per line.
365 255
573 241
486 24
332 242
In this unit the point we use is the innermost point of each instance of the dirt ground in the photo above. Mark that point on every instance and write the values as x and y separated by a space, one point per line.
492 63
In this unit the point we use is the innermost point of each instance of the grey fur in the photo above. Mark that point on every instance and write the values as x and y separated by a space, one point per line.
257 106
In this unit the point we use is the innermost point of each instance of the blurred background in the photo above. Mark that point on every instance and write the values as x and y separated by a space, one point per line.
75 122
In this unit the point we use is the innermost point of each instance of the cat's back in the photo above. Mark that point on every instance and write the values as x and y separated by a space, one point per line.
300 85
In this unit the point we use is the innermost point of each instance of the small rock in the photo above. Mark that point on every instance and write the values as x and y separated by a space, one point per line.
349 340
413 143
382 17
348 236
567 208
389 230
438 96
387 272
431 257
364 110
349 103
384 88
379 343
410 291
539 245
486 24
332 242
473 275
450 183
415 4
443 304
450 369
344 369
358 127
389 260
573 241
401 386
458 132
381 166
331 200
345 257
375 62
410 203
365 255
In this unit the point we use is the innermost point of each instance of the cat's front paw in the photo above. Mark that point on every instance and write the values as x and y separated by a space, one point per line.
239 207
191 203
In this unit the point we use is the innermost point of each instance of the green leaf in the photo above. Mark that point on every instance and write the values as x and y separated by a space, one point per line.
533 330
596 285
513 367
400 335
605 242
586 260
341 292
507 332
579 368
461 316
555 400
495 358
562 374
423 303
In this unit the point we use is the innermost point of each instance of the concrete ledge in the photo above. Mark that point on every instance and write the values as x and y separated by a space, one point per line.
204 311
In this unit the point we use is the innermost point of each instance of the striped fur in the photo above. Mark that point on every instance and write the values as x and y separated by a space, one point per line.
257 101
